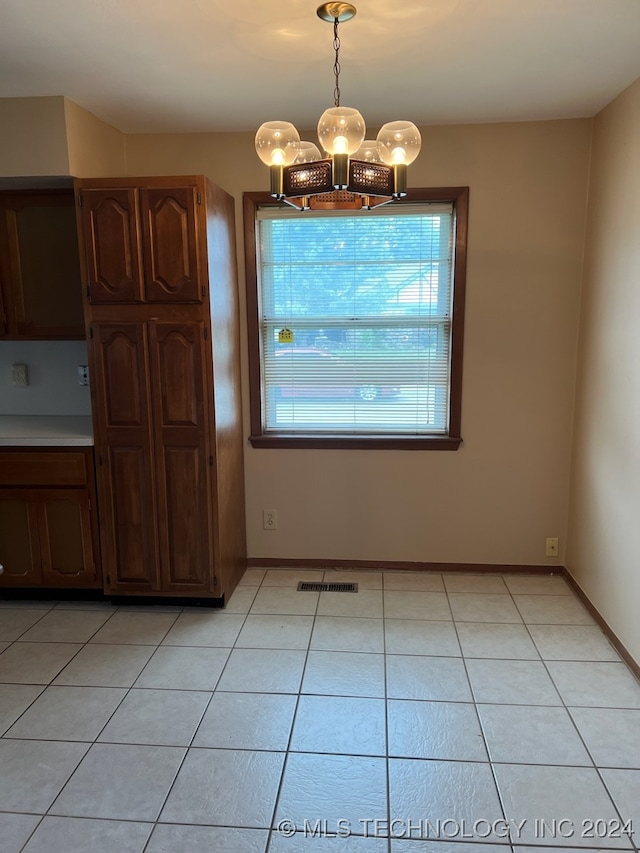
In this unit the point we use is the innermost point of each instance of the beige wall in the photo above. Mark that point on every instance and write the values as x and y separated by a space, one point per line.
33 140
506 489
96 150
604 533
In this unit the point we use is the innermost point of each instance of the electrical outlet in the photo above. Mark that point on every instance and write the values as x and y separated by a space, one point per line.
552 547
83 374
19 375
269 519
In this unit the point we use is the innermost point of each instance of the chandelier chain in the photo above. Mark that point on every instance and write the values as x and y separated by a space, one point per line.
336 64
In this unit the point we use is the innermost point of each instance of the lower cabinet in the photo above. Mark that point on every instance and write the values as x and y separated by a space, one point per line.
47 535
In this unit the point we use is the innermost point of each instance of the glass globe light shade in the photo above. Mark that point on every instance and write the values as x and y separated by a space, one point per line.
308 153
341 130
277 143
399 142
368 152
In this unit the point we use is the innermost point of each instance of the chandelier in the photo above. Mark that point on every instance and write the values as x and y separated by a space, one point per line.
355 172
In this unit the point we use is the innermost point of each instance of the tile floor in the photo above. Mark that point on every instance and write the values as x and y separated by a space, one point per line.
439 713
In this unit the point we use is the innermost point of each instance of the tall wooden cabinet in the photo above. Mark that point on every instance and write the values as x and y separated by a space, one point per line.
161 309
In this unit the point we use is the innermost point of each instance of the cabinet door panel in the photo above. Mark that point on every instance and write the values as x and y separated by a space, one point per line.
19 544
65 539
125 475
112 244
171 245
182 454
40 265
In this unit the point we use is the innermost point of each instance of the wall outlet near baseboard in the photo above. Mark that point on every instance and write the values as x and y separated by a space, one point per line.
551 549
270 519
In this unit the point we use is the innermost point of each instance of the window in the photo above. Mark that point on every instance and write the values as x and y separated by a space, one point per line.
356 322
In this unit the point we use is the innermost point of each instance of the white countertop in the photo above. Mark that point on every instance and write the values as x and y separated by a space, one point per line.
45 431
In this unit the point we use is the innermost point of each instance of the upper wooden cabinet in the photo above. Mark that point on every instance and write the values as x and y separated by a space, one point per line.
141 244
40 286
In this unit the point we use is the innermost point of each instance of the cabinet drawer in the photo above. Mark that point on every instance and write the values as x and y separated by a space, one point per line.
42 468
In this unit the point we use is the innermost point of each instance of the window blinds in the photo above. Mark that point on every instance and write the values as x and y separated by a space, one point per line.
355 320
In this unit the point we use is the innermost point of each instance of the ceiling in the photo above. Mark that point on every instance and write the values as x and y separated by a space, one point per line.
148 66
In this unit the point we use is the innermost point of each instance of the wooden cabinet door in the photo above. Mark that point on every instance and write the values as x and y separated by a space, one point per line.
40 266
171 245
65 539
19 539
183 463
111 228
126 482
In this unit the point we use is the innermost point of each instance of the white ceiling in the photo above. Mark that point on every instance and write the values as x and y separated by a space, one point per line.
208 65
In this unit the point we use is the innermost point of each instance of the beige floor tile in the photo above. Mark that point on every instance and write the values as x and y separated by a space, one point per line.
552 610
339 724
24 784
602 685
445 730
475 583
14 700
106 666
483 607
454 790
344 634
332 787
35 663
66 626
291 577
247 721
120 782
14 623
413 581
252 577
344 674
135 628
65 834
612 736
184 668
405 604
171 838
365 580
525 734
68 713
419 637
205 629
435 678
487 640
537 585
402 845
241 600
29 604
157 717
511 682
366 603
573 794
15 829
298 843
275 632
624 787
284 601
226 787
263 671
573 642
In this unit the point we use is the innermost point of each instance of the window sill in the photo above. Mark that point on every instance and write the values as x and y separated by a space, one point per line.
290 442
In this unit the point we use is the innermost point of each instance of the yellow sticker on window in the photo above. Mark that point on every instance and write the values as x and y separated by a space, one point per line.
285 336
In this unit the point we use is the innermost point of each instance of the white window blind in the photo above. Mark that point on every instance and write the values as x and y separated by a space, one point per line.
355 320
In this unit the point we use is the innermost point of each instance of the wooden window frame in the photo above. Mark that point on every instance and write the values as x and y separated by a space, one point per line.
459 196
